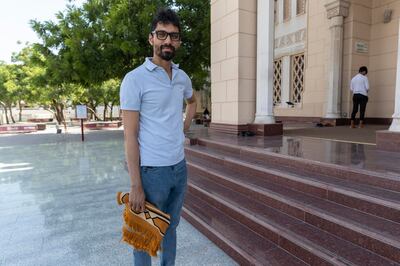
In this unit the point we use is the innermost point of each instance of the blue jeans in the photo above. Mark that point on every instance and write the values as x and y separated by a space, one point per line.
164 187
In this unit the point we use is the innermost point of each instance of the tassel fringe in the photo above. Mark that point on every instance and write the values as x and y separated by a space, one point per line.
139 234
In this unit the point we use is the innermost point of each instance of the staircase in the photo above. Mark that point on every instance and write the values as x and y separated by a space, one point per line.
264 208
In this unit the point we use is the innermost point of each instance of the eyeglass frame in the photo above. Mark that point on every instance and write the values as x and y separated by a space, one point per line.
167 34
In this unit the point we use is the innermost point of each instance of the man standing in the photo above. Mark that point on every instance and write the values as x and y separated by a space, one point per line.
152 102
359 86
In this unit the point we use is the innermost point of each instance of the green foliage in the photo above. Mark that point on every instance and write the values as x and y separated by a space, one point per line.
105 39
5 76
85 53
194 55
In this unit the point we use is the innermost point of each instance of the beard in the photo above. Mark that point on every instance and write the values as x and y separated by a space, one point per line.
167 56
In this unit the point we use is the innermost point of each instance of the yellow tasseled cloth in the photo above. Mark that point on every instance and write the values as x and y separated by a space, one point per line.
145 230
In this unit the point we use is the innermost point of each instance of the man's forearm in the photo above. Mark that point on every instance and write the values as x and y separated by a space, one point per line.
132 159
190 113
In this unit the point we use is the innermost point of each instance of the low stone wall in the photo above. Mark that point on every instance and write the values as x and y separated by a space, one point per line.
101 125
6 129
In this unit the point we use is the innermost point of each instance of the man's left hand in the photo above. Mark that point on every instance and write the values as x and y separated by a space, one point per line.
186 126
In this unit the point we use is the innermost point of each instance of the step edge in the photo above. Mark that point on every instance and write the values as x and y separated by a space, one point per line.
313 211
317 184
300 241
387 176
236 249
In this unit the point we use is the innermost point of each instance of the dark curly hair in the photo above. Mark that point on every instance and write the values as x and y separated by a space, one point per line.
166 16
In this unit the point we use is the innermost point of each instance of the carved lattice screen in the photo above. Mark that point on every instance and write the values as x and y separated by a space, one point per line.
277 81
297 84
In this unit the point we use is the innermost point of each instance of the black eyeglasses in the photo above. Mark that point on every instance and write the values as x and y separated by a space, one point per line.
163 35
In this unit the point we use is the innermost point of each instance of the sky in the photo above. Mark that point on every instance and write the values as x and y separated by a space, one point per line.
14 22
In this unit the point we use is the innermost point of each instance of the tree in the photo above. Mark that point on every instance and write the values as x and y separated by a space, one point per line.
110 97
5 97
88 49
194 55
25 75
39 82
105 39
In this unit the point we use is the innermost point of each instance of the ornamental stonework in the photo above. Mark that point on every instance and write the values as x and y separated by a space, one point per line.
290 39
335 8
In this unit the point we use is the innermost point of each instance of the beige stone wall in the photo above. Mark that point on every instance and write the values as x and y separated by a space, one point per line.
382 61
233 60
365 24
357 29
316 55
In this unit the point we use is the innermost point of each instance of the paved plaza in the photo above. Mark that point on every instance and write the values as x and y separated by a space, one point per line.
58 207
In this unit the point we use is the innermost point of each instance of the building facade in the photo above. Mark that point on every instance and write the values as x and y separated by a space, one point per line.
294 59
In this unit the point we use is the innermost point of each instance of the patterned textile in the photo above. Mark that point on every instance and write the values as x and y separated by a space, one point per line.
145 230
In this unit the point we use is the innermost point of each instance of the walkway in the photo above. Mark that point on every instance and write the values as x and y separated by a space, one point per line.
58 203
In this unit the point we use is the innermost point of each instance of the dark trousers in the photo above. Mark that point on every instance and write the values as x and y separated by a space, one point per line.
359 100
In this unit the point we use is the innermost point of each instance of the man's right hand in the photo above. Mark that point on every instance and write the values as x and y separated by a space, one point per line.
137 198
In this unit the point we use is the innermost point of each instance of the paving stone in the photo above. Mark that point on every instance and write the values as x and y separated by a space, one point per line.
58 204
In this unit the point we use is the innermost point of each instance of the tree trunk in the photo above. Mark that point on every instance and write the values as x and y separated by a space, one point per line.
92 110
105 112
8 121
63 118
95 113
11 114
58 108
5 112
20 111
111 111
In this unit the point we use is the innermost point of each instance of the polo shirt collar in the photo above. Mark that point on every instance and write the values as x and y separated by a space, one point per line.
151 66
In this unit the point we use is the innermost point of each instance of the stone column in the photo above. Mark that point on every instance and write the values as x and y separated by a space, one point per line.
264 122
390 139
285 97
265 62
396 116
337 10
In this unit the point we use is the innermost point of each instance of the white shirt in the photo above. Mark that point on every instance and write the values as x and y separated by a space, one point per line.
359 84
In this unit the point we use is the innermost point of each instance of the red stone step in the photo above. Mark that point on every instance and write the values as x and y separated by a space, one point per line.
382 180
40 120
237 240
97 125
373 200
376 234
306 242
18 128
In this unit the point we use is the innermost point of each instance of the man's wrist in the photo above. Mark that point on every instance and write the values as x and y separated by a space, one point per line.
136 184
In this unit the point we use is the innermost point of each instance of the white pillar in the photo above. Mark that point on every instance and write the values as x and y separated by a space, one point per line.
265 62
285 89
395 126
336 10
280 11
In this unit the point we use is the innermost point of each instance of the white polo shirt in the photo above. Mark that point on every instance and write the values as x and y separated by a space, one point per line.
159 101
359 84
